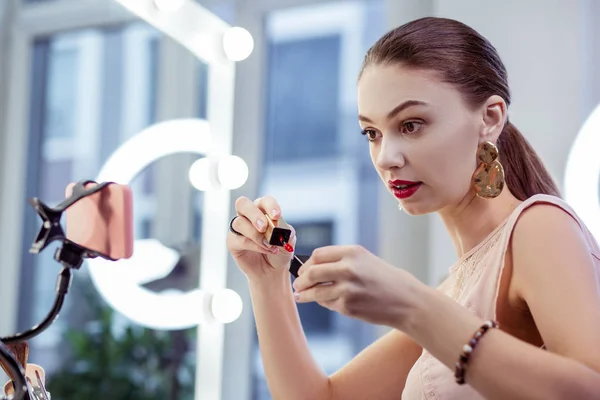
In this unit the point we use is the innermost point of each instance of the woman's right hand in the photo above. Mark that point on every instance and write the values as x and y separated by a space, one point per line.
251 252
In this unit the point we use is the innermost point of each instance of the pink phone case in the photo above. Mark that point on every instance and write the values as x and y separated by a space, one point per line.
103 221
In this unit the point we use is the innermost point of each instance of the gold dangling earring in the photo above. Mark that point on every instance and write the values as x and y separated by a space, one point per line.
488 178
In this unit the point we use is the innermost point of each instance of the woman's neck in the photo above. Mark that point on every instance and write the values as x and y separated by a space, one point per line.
474 218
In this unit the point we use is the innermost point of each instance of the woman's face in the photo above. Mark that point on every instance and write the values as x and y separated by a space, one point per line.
419 130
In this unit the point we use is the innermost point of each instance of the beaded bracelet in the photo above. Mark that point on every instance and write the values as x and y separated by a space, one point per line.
461 365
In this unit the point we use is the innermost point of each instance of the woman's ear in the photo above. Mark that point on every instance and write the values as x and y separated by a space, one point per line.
494 118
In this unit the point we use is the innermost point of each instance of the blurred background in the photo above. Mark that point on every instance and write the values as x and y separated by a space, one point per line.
80 77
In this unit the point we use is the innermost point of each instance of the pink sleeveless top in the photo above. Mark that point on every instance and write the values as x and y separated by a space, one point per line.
474 282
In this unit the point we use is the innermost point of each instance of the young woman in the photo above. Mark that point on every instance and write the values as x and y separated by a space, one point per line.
519 315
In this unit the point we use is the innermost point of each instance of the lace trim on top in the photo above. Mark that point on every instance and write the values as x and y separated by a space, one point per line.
467 270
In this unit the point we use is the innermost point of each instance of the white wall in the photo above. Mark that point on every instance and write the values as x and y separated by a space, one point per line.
590 30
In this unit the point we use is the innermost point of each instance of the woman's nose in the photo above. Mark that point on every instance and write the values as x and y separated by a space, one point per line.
390 155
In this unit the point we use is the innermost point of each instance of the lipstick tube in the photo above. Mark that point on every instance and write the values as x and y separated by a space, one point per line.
278 231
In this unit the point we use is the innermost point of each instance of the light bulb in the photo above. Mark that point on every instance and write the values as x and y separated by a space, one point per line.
199 174
237 44
232 172
226 306
582 173
169 5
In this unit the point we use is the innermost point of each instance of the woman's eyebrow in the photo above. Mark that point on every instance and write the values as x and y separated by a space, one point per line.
397 110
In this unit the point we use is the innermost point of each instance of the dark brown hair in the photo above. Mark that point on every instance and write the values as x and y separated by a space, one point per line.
465 59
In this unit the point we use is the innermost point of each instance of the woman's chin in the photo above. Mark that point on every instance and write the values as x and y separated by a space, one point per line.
414 210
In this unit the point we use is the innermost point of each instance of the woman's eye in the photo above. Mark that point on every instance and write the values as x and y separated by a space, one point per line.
410 127
370 134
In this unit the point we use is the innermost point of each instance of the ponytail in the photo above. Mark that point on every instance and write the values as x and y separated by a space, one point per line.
524 172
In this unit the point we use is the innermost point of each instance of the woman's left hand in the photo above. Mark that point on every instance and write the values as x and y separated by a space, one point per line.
354 282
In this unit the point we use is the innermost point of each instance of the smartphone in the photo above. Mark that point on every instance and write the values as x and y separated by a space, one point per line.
103 221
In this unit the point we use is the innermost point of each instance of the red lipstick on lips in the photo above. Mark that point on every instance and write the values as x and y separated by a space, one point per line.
404 189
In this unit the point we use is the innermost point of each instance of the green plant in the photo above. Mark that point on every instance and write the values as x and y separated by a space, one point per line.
135 363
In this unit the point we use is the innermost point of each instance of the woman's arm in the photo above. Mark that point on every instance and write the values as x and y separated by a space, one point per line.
290 369
556 277
378 372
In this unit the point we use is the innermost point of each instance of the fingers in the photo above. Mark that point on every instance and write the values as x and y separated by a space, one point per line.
323 293
251 238
246 208
240 244
318 274
268 205
252 223
331 254
255 211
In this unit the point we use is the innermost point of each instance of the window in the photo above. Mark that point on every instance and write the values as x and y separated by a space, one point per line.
202 71
315 319
314 164
146 231
303 98
62 93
